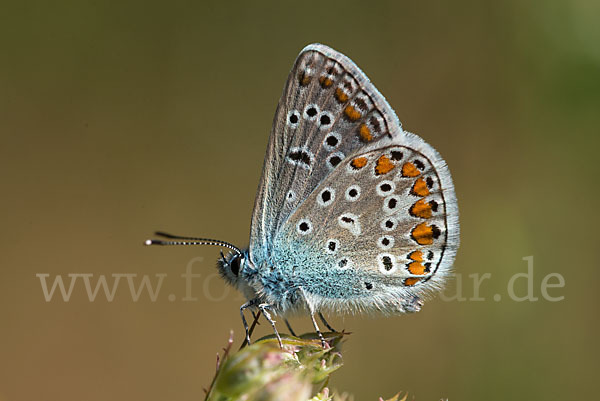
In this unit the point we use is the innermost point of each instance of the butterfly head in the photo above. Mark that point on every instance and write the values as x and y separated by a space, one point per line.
231 266
235 268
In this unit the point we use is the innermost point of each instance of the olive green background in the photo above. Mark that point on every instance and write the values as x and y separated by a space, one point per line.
121 118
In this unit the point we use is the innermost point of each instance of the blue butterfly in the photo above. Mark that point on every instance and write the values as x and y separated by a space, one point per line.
352 214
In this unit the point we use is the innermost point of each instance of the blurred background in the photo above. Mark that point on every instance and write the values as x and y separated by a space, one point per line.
121 118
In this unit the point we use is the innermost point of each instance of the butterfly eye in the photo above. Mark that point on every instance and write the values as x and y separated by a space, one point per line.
234 265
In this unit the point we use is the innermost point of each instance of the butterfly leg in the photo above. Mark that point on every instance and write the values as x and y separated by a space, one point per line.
287 323
263 308
314 322
326 324
242 308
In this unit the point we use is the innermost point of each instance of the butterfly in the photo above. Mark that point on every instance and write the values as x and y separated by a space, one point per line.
352 214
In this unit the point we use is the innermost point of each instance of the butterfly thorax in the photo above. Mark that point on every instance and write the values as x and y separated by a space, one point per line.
262 282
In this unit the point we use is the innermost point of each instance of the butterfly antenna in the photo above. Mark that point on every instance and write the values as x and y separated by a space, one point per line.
180 240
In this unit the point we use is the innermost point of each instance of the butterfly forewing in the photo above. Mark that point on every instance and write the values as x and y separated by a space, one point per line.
328 110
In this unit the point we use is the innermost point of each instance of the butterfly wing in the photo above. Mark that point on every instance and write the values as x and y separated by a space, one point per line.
328 110
378 233
351 210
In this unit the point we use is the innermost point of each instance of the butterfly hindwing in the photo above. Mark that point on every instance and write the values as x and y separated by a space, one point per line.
384 223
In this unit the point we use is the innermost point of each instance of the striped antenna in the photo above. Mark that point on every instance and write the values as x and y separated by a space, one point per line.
179 240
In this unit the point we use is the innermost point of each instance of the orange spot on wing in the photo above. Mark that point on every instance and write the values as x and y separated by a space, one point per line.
326 82
365 133
341 95
420 188
359 162
352 113
384 165
417 268
411 281
423 234
304 78
421 209
417 256
410 170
